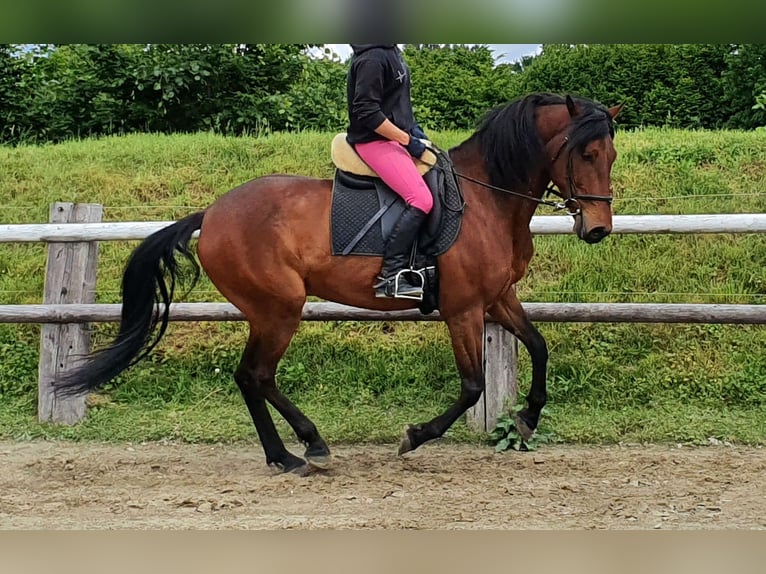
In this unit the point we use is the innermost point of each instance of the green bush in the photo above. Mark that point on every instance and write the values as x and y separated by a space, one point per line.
51 93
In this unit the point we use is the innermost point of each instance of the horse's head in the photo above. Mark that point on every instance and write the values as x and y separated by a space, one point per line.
544 137
582 154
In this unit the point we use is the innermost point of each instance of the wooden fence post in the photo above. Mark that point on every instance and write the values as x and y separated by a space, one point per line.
70 277
500 373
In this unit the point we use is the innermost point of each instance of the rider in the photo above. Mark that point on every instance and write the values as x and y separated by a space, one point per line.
383 130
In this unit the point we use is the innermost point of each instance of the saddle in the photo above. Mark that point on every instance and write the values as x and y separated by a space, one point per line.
345 158
365 209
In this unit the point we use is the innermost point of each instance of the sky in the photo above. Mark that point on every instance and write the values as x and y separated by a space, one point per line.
513 52
503 52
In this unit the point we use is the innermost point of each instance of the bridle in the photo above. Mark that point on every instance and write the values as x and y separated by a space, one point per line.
571 203
574 198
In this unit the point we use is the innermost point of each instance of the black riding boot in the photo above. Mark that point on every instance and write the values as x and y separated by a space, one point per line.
396 255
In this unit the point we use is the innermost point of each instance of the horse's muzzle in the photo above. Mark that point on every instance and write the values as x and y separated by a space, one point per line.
595 235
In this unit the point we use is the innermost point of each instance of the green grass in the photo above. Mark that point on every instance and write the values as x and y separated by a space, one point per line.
364 381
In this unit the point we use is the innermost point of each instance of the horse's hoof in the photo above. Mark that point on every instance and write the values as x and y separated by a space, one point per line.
318 455
523 428
406 444
322 462
291 464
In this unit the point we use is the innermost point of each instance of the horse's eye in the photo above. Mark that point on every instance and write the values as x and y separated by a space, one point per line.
588 157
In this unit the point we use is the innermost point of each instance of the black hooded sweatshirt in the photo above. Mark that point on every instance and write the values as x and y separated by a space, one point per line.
378 88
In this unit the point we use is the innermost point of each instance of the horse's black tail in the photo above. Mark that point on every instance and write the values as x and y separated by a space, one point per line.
149 280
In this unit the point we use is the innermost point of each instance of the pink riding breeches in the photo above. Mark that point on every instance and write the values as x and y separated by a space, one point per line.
396 168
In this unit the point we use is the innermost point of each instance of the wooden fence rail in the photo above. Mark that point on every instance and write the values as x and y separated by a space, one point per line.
540 225
68 304
542 312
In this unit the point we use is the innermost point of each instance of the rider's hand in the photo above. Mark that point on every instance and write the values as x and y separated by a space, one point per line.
415 147
418 132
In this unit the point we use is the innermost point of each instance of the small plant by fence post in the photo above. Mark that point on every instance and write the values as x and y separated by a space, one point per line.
70 277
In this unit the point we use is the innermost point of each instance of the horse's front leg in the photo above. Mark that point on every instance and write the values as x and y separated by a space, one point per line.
467 332
511 315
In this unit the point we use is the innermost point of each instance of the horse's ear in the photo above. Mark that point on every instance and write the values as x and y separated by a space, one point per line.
571 106
614 111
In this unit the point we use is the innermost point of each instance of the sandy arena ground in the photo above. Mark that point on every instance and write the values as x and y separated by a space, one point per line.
46 485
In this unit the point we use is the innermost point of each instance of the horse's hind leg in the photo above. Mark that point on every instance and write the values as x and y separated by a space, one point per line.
274 335
511 315
467 332
246 377
317 452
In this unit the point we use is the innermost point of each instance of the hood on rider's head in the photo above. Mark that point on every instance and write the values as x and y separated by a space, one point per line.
359 48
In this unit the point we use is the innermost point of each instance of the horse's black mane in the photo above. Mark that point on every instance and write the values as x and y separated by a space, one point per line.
511 146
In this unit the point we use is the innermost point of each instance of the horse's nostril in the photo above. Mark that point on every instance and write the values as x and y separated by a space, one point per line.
596 234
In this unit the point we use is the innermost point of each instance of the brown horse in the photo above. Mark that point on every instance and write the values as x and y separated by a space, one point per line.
266 246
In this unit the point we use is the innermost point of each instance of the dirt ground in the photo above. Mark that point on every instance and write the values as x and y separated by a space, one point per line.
46 485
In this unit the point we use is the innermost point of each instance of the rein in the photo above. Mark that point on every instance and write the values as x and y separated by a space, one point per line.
557 205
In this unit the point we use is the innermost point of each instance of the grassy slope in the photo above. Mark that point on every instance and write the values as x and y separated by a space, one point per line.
364 381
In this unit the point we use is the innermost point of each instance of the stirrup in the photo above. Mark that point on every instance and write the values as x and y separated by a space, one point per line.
399 288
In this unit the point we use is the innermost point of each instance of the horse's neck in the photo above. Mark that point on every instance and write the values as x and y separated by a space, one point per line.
514 212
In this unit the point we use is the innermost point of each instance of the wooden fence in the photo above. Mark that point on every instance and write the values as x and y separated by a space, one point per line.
75 230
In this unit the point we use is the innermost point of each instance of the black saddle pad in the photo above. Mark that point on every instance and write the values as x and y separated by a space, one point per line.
365 209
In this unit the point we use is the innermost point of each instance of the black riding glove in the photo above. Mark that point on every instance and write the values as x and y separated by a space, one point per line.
418 132
416 147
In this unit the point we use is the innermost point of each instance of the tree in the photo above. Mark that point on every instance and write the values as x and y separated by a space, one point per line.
227 87
79 90
453 86
744 82
76 90
10 93
678 85
317 101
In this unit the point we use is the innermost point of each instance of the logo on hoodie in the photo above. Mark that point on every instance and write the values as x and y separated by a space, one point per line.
400 76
